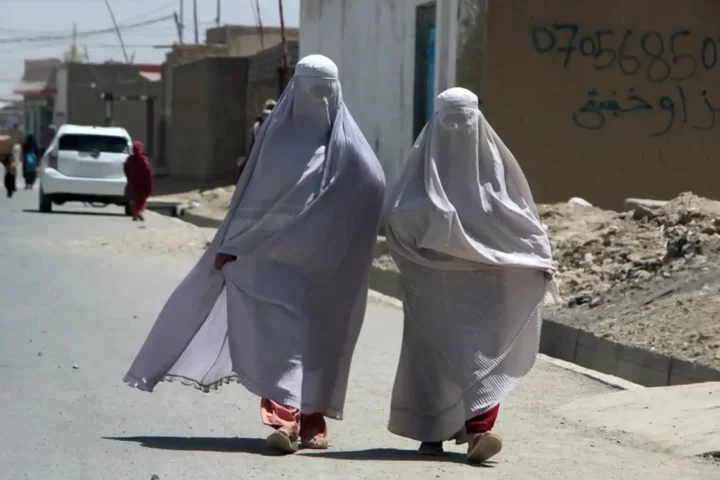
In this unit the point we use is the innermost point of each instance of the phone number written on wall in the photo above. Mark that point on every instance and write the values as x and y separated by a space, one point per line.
650 56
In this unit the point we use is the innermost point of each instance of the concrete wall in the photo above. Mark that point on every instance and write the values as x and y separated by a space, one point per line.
264 78
208 118
600 100
85 106
373 44
244 41
179 55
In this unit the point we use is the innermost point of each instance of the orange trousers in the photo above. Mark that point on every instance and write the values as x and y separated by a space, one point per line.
276 415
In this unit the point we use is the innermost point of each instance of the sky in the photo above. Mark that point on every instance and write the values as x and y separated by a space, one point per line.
24 20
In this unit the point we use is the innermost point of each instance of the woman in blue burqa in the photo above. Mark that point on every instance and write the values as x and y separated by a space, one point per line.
277 301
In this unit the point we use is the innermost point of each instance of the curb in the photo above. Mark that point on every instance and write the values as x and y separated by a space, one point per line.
199 220
582 348
167 208
609 380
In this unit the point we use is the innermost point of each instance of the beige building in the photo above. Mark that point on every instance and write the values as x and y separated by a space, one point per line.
601 100
212 94
244 40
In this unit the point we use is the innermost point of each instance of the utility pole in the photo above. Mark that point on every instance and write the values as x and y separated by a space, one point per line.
117 30
217 17
285 65
180 23
73 48
178 27
260 24
195 21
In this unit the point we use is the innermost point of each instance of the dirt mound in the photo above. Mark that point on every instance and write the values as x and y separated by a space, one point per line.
598 250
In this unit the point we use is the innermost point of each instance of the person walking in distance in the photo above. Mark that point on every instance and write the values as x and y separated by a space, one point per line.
259 121
267 110
139 174
30 158
9 179
476 269
277 301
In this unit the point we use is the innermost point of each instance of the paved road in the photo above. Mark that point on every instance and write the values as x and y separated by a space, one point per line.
72 319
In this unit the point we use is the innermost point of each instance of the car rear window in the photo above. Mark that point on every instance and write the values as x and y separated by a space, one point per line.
90 143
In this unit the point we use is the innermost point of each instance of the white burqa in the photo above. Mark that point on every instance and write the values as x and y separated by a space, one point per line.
283 319
464 231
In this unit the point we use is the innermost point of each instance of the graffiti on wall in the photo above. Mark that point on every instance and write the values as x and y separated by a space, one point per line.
655 58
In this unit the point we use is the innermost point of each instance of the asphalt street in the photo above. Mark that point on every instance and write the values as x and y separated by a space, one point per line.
72 319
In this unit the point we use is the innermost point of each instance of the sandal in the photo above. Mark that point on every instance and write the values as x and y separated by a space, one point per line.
431 449
283 440
482 447
314 442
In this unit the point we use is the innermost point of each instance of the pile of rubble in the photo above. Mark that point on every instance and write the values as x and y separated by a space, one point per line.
601 253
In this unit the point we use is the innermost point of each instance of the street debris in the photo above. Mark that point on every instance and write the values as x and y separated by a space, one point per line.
185 240
599 250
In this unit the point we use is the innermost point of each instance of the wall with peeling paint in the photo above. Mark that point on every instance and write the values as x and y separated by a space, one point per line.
373 44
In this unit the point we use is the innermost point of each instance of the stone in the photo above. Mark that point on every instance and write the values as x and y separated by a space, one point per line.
579 202
644 204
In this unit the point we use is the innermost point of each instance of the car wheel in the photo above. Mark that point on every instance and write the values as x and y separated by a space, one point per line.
45 203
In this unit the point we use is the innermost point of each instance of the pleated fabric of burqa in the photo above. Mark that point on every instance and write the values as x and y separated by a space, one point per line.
284 318
476 269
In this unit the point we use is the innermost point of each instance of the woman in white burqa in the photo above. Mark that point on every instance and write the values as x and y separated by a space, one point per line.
277 301
476 269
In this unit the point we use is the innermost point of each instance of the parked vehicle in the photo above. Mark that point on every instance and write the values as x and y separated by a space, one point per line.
85 164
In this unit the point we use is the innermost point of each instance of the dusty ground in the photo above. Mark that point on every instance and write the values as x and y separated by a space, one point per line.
185 240
647 277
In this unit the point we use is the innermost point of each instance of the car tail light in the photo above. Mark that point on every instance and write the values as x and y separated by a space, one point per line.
53 160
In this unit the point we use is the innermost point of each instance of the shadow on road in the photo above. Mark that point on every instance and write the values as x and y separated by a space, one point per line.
76 212
397 455
255 446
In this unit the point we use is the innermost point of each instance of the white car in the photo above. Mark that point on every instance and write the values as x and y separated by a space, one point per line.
85 164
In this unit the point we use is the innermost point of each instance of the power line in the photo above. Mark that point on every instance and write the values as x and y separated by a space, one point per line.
168 5
50 45
89 33
23 2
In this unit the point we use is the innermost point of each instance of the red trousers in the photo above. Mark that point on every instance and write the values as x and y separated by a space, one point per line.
484 422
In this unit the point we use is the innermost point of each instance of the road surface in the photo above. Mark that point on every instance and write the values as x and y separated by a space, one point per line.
72 318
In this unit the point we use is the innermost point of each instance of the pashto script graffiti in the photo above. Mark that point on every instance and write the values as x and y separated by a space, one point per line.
649 57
